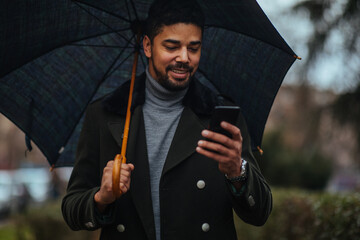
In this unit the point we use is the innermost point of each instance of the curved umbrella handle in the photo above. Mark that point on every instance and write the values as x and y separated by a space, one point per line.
119 159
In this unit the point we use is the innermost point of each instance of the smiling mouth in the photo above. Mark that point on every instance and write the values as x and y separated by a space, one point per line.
180 71
180 68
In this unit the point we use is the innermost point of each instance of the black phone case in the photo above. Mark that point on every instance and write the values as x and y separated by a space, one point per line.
223 113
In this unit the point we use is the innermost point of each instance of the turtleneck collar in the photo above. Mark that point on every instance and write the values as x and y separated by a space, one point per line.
157 94
199 98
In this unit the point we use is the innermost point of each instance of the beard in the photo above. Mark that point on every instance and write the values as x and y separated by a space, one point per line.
177 84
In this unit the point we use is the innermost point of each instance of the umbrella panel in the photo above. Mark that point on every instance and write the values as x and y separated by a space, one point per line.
118 77
267 65
69 78
230 61
248 62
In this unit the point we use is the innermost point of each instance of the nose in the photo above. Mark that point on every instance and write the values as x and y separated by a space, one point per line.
183 56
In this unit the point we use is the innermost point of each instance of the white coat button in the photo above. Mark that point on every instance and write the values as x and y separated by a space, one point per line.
120 228
205 227
200 184
89 225
251 201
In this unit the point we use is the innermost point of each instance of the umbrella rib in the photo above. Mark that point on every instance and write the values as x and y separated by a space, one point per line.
56 47
102 22
102 10
108 73
290 52
133 6
93 94
102 46
90 99
128 10
114 69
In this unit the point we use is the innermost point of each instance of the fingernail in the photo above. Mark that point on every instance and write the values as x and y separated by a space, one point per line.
205 132
200 142
223 124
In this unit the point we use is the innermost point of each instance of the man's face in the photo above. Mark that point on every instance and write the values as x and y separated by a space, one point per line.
174 55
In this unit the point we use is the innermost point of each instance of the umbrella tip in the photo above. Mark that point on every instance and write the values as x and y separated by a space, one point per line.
297 57
52 168
260 150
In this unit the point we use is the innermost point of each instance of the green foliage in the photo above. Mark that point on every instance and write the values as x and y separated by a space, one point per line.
296 215
337 217
7 233
285 167
305 216
43 224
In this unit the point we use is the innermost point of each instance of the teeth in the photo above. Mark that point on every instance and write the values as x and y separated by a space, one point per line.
179 71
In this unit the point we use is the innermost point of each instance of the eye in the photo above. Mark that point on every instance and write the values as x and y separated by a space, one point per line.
170 48
192 49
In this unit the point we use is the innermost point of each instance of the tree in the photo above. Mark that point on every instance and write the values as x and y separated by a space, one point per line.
336 34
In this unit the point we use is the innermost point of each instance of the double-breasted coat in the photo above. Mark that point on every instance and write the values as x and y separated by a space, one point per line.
196 201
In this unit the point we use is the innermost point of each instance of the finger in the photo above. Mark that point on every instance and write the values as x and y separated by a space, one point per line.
215 156
214 136
220 158
110 163
126 182
219 138
132 167
124 179
108 168
123 188
108 187
212 146
125 173
127 167
235 131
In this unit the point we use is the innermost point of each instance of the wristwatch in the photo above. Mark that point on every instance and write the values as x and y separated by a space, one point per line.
242 177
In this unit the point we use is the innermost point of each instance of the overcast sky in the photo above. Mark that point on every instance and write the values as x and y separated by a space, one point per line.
296 29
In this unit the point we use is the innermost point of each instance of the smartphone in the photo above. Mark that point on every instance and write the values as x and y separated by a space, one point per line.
223 113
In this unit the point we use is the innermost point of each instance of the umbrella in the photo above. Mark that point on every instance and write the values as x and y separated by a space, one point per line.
57 56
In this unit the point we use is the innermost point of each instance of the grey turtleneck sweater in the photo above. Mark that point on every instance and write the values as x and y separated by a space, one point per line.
162 110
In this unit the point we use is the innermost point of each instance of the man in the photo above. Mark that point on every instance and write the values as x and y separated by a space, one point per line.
177 184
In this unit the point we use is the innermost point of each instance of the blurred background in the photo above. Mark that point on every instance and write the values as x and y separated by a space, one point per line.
311 145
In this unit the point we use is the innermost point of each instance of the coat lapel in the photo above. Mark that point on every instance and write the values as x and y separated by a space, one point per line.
140 179
184 143
199 99
117 129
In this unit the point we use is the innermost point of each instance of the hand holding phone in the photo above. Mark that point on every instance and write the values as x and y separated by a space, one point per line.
223 113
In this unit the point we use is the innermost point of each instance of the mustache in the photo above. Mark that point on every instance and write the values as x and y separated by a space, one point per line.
182 66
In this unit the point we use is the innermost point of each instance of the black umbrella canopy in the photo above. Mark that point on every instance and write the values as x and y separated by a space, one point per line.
57 56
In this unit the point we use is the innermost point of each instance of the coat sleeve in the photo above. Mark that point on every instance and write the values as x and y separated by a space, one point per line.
78 206
254 204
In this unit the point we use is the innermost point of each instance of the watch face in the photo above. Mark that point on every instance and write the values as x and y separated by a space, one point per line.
243 167
242 177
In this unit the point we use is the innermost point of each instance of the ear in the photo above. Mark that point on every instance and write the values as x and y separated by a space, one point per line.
147 46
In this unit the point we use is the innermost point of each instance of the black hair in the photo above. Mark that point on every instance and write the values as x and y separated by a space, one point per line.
169 12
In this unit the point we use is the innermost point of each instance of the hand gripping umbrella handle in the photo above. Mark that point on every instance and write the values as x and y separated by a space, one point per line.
119 159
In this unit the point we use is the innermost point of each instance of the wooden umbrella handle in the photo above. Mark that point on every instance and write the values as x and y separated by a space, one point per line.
119 159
